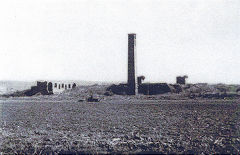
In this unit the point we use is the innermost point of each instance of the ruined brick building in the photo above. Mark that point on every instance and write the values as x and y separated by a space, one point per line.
135 84
47 88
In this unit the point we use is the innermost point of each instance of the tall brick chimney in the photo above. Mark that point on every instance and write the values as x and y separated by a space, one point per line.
132 82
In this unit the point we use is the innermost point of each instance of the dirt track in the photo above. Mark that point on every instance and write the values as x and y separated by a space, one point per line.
120 127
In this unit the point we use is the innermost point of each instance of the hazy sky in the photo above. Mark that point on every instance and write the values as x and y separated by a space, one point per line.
87 40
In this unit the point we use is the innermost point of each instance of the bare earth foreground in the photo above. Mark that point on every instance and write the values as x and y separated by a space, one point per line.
120 126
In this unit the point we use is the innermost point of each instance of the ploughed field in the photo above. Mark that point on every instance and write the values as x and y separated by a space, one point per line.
161 126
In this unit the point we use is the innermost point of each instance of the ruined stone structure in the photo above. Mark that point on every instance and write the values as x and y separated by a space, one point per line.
120 89
132 85
47 88
154 88
43 88
181 79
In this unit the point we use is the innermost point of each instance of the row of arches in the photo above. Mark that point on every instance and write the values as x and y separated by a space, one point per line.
64 86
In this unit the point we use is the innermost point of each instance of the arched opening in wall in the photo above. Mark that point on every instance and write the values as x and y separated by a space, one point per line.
63 85
55 85
69 85
74 85
50 87
59 86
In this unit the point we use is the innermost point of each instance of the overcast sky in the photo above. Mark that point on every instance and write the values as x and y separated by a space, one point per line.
87 40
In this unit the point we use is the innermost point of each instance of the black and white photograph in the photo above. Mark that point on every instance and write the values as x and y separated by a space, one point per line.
119 77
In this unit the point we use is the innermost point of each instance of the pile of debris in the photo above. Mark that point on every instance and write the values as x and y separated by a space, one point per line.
216 91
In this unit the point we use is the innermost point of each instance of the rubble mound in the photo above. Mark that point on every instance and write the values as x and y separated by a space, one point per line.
82 92
167 92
